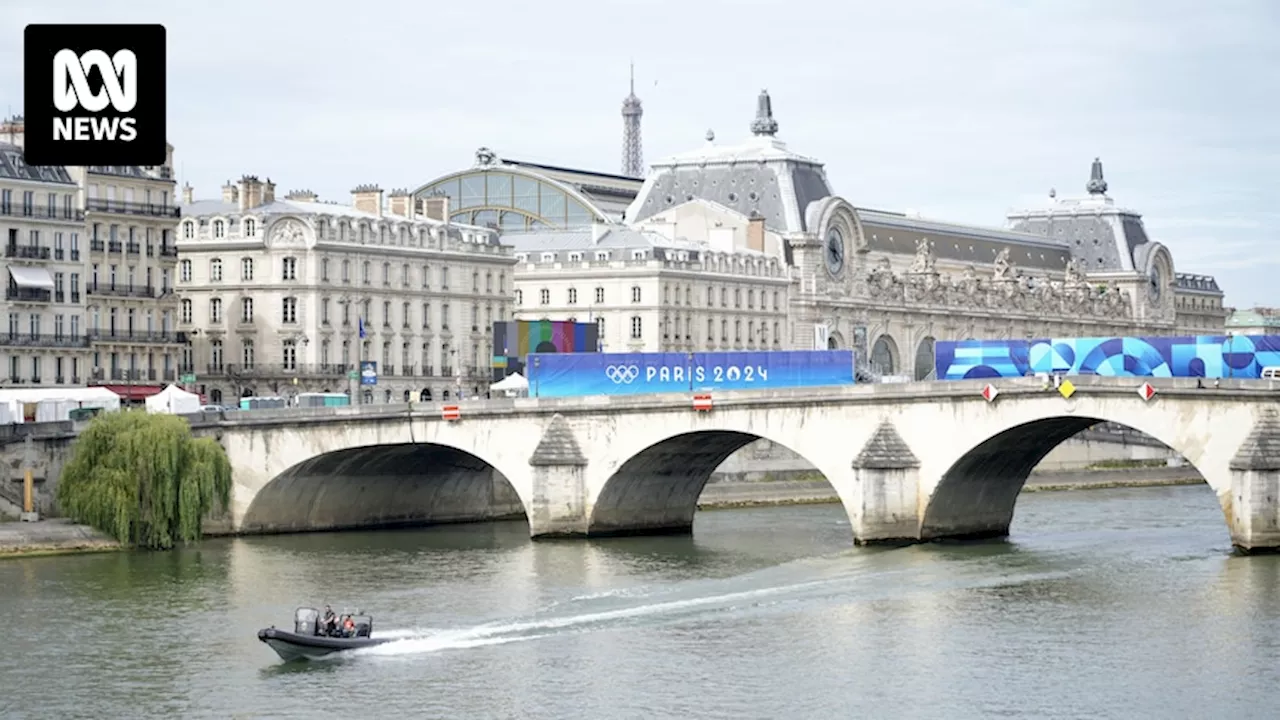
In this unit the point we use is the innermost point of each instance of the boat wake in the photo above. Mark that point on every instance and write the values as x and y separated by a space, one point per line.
790 584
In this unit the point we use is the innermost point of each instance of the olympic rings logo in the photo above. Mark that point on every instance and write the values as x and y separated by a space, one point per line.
622 374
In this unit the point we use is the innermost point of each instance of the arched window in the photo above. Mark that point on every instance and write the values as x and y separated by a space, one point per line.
289 269
215 270
215 310
184 271
884 355
219 229
925 359
289 310
188 230
186 311
511 201
246 269
250 227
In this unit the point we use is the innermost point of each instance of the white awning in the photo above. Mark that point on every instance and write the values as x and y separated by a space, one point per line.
31 277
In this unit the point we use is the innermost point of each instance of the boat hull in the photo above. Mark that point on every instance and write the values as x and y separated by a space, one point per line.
291 646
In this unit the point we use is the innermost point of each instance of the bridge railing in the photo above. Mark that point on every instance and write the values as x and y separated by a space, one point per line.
1252 390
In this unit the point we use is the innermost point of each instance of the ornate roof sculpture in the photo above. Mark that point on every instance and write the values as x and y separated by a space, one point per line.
1004 291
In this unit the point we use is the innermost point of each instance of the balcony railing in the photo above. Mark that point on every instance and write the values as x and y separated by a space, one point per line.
29 295
168 251
133 248
43 340
115 246
132 208
132 375
97 246
42 212
137 336
278 370
27 252
141 291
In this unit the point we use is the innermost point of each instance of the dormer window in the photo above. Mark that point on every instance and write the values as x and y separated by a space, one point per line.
548 257
602 255
522 257
575 257
637 254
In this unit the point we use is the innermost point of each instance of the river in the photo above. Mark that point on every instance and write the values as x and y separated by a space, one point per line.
1120 603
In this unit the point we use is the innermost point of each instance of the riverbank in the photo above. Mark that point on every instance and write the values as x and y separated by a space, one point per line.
727 495
55 536
59 536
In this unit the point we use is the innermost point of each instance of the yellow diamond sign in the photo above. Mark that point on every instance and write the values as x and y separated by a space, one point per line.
1066 389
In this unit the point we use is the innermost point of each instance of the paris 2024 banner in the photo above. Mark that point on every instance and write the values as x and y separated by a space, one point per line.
1208 356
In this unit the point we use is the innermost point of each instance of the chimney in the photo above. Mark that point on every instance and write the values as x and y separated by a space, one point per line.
268 192
367 198
437 207
12 130
301 196
250 192
401 203
188 194
755 233
229 193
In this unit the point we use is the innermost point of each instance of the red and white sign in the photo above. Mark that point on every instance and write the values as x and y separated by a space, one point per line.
989 392
702 403
1145 391
450 412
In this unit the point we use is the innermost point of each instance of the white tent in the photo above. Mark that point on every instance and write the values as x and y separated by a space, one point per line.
52 404
513 383
175 401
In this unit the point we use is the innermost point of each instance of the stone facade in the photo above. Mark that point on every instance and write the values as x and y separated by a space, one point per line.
284 296
41 221
124 256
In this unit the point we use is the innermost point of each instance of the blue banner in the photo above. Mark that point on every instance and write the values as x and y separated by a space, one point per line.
368 372
575 374
1210 356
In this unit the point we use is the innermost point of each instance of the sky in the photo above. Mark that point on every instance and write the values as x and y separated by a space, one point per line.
958 111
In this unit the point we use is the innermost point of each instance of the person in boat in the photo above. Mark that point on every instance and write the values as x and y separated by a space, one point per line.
349 627
329 624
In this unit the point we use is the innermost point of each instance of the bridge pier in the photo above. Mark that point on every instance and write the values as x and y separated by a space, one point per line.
886 481
559 469
1254 515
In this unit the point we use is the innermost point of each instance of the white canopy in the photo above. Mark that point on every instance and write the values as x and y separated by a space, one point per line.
514 381
31 277
174 400
53 404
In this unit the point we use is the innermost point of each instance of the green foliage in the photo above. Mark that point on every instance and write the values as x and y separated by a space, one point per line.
143 479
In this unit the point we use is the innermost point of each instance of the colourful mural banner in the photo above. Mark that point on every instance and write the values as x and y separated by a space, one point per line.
515 340
1210 356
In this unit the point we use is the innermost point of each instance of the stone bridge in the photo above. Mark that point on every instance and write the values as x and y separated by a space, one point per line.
910 462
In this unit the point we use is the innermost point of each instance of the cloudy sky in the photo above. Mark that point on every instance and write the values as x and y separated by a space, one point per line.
957 110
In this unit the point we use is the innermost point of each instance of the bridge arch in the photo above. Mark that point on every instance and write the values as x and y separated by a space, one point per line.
383 486
976 489
656 485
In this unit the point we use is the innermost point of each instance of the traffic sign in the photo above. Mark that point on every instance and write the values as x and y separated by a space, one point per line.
450 412
353 374
989 392
702 402
188 379
1146 391
1066 389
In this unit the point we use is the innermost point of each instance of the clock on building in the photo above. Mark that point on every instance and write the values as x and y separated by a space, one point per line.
834 251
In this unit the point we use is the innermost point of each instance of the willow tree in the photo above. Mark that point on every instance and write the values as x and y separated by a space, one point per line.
144 479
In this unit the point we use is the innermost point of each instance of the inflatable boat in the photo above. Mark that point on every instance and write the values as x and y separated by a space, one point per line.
310 639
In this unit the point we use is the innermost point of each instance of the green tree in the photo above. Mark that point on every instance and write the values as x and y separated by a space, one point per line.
144 479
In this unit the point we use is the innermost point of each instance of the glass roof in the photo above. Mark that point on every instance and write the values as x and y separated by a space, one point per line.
510 201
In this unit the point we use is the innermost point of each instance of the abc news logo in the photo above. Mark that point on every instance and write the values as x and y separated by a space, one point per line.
95 95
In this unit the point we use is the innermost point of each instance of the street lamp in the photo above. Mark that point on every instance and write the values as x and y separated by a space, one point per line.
536 376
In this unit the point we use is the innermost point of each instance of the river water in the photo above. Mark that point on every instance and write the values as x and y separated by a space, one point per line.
1102 604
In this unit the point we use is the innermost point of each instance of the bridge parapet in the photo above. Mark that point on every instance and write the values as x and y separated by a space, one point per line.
945 390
